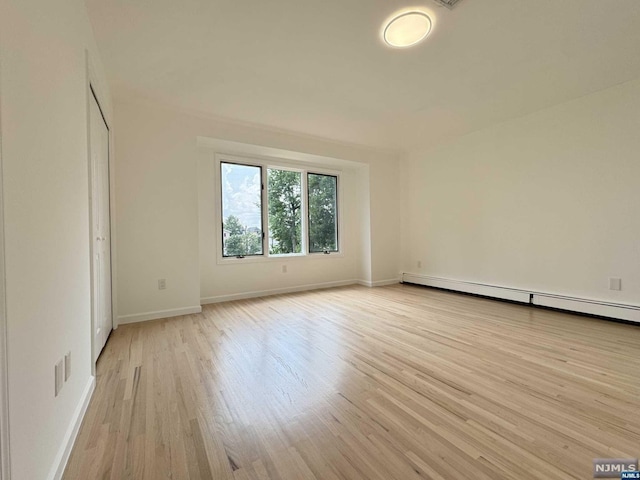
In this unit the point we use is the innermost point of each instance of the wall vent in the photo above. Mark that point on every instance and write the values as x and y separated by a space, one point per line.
447 3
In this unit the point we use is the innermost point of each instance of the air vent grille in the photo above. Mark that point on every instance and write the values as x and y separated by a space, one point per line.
447 3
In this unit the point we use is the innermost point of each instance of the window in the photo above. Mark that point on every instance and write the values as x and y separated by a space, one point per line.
241 210
323 213
299 208
284 191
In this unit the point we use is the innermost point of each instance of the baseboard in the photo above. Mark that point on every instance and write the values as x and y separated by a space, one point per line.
62 457
618 311
143 317
379 283
275 291
504 293
561 302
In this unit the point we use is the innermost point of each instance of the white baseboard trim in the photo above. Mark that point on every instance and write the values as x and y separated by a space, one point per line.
275 291
581 305
504 293
143 317
602 309
379 283
62 457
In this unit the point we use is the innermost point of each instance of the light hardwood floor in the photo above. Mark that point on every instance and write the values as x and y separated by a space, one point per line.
397 382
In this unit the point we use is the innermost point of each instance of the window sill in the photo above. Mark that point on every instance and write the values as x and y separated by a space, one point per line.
278 258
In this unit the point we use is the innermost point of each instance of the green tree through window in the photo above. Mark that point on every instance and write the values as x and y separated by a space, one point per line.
233 226
323 218
239 241
284 189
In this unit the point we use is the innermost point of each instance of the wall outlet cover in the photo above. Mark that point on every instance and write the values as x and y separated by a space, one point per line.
615 283
67 366
58 372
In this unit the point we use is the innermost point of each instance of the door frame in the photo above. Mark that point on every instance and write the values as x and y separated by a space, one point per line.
95 90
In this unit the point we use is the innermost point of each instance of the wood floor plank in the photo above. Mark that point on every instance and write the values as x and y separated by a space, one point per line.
352 383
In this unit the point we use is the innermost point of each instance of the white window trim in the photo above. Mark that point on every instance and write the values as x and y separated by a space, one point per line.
276 163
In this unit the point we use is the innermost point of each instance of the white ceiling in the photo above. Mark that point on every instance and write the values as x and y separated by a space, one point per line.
319 67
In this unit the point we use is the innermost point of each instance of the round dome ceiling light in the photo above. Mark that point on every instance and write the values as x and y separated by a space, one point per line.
407 29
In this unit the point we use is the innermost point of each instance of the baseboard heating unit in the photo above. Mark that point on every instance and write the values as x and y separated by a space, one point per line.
630 313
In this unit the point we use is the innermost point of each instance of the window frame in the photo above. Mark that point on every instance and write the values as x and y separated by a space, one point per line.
265 163
324 252
221 209
303 186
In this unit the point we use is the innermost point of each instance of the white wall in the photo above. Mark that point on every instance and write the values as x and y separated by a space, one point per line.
364 232
44 152
4 394
548 202
163 233
157 207
386 212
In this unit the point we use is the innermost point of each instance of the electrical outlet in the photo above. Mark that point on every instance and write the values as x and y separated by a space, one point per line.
58 372
419 263
284 269
162 284
615 283
67 366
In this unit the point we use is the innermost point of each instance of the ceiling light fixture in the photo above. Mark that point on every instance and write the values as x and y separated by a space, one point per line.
407 29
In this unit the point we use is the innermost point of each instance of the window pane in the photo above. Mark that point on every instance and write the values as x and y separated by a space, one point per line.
284 190
323 213
241 210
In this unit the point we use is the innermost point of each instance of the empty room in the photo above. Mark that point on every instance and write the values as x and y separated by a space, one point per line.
327 240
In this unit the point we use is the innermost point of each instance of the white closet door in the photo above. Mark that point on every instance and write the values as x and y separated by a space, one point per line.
101 234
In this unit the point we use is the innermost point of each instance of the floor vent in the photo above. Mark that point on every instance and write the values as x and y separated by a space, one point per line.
447 3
